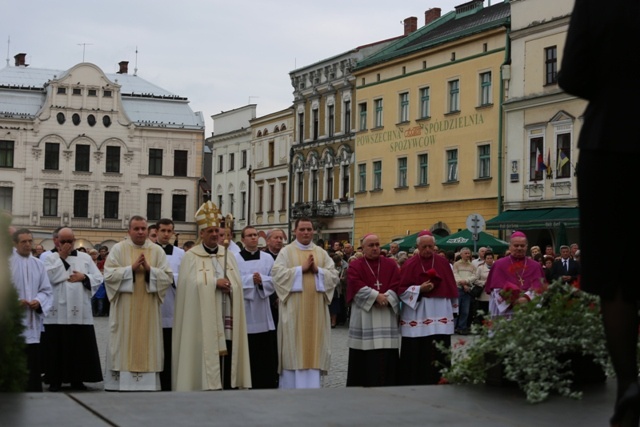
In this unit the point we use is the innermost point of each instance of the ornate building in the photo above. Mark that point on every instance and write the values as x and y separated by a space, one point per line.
88 149
324 142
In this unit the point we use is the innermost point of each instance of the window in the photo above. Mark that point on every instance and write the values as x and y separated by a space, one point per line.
315 123
362 177
220 163
484 161
113 160
243 207
6 154
300 189
75 119
232 161
314 185
243 159
6 199
485 88
50 202
260 198
424 103
452 165
402 172
82 157
345 181
283 196
300 127
377 175
423 169
272 197
331 119
180 162
91 119
378 108
93 92
347 117
536 162
52 156
154 206
551 65
272 153
155 162
232 204
60 117
81 203
77 91
179 207
363 116
106 121
62 90
454 96
111 204
220 201
329 174
563 142
106 94
404 107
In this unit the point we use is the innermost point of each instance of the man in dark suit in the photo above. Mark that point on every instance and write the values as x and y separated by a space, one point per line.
566 268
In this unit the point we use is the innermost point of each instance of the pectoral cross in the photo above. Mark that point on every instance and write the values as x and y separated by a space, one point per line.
377 284
75 310
137 376
521 280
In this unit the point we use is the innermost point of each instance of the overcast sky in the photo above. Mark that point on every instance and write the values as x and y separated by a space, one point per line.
220 54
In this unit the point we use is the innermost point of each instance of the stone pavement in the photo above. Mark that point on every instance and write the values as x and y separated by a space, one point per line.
333 405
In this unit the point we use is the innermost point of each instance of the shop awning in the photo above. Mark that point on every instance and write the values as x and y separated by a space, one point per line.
528 219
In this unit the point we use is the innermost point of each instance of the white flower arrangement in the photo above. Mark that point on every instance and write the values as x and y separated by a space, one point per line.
536 346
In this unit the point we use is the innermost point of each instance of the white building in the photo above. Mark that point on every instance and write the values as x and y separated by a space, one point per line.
271 151
542 124
230 151
89 149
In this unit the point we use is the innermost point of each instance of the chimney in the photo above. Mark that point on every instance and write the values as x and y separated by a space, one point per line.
431 15
410 25
124 67
21 59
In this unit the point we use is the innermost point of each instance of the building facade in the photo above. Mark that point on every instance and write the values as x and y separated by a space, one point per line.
428 119
272 139
88 149
324 142
231 159
542 124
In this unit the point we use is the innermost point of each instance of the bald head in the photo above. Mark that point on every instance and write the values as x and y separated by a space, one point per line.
371 246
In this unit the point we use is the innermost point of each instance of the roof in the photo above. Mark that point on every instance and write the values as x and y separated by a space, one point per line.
449 27
22 92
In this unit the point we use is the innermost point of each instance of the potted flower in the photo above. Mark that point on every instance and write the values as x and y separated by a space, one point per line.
541 347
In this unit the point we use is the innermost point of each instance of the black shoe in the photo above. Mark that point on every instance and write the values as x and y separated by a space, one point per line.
78 386
627 411
54 387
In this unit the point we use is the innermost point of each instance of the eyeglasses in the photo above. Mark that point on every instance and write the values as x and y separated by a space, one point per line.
62 242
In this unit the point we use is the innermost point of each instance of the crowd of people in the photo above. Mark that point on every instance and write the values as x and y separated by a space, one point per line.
220 315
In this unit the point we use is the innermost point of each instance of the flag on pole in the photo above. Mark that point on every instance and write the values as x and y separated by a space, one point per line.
548 164
562 160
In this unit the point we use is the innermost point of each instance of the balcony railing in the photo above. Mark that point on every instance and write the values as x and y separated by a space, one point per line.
314 210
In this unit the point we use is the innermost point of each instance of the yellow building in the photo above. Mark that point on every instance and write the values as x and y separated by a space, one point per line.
427 114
